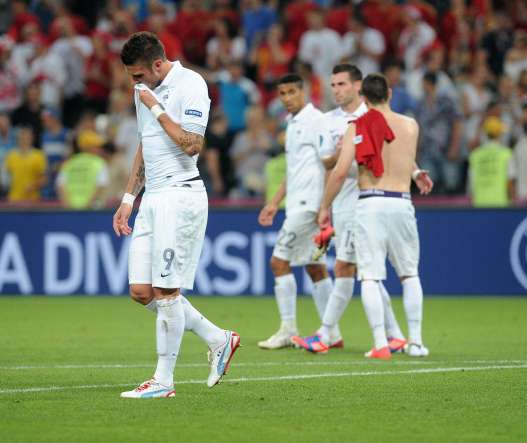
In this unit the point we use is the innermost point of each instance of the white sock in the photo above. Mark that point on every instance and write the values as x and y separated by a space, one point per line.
372 302
337 303
390 322
201 326
152 305
170 326
413 306
321 291
285 292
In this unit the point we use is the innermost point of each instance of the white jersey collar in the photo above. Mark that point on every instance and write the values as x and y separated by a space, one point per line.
174 70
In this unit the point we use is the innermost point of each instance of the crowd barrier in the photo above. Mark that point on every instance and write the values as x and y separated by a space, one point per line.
463 251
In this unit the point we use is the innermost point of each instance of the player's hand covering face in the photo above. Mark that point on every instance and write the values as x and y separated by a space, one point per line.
120 220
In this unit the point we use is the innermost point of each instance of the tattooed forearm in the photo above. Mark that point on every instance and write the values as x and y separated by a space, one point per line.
139 180
190 143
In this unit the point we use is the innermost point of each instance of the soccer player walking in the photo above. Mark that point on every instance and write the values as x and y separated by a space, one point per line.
384 145
306 134
172 106
345 85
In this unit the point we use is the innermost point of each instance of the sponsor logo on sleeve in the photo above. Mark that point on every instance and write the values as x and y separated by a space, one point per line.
193 112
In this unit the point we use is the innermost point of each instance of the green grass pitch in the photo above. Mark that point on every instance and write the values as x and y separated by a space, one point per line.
64 361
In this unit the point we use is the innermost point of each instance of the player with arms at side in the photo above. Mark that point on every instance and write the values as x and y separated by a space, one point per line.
306 133
172 105
384 145
345 85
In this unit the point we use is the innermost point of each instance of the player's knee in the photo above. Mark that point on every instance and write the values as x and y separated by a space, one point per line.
344 269
166 292
317 272
279 266
141 293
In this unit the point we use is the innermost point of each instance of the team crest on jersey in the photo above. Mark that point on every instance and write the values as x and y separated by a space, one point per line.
193 112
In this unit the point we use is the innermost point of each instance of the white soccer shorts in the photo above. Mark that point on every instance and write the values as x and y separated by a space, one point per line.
295 240
386 227
168 237
344 243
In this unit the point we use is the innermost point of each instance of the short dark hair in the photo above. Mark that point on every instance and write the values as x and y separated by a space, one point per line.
354 72
142 48
291 78
430 77
375 88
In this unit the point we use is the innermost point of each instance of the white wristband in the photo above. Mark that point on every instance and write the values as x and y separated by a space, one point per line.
128 199
416 173
157 110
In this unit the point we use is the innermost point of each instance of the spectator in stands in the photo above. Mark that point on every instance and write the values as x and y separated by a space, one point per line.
363 46
62 13
518 164
83 178
249 153
7 138
497 42
218 162
74 49
10 84
401 100
192 26
516 57
122 124
158 24
225 45
257 18
522 86
98 73
296 13
118 172
320 46
510 109
440 136
433 60
224 9
24 50
21 16
56 147
475 100
489 169
30 112
415 38
25 167
49 69
272 58
121 26
236 94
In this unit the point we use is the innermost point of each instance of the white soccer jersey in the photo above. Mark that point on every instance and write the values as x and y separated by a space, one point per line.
337 121
184 95
306 136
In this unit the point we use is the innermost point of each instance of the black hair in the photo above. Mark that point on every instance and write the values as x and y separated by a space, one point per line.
430 77
354 72
375 88
143 48
291 78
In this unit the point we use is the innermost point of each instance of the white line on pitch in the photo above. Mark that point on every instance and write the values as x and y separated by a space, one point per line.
258 364
279 378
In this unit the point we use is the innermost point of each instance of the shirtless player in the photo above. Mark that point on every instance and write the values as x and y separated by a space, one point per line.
384 144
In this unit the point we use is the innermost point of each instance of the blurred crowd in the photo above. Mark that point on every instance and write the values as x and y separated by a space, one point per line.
67 123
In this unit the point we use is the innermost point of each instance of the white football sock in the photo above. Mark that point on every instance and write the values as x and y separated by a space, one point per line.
372 302
337 303
152 305
413 306
321 291
390 322
201 326
285 292
170 326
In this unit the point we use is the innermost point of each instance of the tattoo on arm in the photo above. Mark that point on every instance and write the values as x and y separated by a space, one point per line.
191 143
139 179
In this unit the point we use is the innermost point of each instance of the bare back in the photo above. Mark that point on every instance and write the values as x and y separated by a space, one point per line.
398 156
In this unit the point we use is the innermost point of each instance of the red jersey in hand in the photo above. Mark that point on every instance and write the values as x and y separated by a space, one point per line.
371 130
